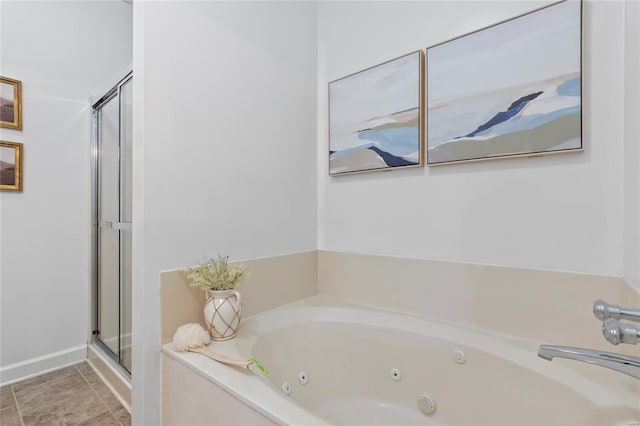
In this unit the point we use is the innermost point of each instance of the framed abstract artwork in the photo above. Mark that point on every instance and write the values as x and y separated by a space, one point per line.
512 89
10 166
10 103
375 117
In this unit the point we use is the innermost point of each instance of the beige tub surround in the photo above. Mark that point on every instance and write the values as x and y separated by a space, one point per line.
497 316
198 391
275 281
548 306
631 297
498 379
194 394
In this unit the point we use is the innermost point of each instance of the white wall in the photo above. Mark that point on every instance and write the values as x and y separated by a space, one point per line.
561 212
632 145
63 52
224 152
225 98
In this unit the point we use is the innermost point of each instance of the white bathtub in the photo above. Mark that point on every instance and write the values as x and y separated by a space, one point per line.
366 366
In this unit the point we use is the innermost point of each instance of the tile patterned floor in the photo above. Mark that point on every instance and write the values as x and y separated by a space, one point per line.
70 396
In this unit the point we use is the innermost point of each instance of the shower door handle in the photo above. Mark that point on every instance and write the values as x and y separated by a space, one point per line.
118 226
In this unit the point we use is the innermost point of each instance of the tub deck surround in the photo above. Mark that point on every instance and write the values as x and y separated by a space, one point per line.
197 390
481 303
550 306
274 281
348 350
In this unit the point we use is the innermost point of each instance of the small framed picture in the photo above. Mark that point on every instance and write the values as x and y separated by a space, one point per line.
375 117
10 166
10 103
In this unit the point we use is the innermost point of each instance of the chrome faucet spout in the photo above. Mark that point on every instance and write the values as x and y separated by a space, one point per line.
624 364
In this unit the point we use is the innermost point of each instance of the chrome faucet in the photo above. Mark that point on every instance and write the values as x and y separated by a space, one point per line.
624 364
614 331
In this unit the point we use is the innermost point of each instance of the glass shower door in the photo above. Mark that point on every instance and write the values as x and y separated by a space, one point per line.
108 213
112 121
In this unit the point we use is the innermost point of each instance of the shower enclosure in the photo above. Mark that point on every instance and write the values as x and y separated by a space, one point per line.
112 167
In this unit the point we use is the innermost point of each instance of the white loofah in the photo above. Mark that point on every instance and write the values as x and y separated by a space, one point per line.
190 336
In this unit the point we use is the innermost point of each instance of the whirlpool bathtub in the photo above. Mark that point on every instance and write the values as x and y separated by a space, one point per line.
339 363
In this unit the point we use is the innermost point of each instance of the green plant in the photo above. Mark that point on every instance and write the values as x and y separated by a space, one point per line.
215 274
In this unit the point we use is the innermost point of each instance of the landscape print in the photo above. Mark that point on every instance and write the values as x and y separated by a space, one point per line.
10 162
6 103
10 103
374 117
510 89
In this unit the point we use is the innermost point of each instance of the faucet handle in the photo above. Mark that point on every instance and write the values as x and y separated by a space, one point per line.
603 310
618 332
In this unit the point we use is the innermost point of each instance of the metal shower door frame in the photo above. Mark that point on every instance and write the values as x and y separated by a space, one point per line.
114 92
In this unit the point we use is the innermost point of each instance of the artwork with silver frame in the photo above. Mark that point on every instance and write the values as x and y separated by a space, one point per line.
10 103
375 117
511 89
10 166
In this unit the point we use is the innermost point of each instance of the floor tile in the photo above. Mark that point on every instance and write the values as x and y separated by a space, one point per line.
10 417
73 410
85 368
71 396
103 391
122 415
110 401
54 375
105 419
6 397
35 397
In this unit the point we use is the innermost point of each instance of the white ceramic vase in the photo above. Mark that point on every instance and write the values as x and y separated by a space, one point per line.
222 313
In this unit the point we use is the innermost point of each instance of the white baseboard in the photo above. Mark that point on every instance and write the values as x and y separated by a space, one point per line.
19 371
